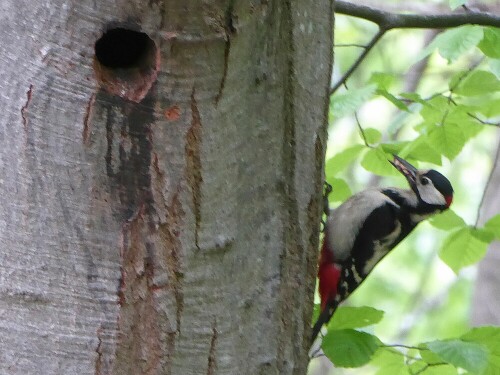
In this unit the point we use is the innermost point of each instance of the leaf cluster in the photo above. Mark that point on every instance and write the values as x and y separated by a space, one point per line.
442 124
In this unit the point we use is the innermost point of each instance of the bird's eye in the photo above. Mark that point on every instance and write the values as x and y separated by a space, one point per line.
425 180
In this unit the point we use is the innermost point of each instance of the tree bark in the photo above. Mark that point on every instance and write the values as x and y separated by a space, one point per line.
486 303
161 218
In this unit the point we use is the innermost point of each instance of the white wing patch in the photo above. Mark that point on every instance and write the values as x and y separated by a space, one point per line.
345 221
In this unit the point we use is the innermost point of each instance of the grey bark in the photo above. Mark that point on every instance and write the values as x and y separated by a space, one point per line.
486 299
172 229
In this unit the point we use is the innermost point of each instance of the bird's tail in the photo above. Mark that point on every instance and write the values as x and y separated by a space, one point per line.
324 317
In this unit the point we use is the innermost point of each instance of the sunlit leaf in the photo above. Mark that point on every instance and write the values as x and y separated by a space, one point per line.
340 190
340 161
372 135
389 361
398 103
347 102
454 42
449 139
491 42
461 248
382 80
432 368
433 113
447 220
349 348
355 317
479 82
493 225
377 161
394 148
414 97
470 356
421 149
428 356
494 65
489 337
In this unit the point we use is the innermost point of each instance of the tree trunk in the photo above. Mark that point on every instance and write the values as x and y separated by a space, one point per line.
161 199
486 301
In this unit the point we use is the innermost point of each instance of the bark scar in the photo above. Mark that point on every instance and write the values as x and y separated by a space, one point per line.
229 31
24 109
87 119
212 363
193 154
98 350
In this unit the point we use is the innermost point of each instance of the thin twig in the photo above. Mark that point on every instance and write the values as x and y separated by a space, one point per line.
486 187
430 365
350 45
358 61
484 122
362 131
403 346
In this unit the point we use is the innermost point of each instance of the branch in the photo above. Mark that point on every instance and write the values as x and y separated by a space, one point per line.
387 20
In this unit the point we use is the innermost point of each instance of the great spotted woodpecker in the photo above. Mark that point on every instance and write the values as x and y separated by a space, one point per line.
361 231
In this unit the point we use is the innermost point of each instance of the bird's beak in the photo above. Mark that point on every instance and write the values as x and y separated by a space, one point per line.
408 170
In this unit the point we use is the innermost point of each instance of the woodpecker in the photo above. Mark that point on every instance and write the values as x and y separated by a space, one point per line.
362 230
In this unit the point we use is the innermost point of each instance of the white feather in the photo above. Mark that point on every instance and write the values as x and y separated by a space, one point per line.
345 221
429 194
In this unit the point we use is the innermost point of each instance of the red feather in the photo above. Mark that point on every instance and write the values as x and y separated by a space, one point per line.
328 275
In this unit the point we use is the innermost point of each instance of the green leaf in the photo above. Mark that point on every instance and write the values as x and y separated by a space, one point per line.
347 102
449 139
435 109
487 335
340 190
490 338
389 361
414 97
316 312
355 317
454 42
447 220
490 45
462 248
394 148
382 80
377 161
428 356
420 149
372 135
494 65
398 103
340 161
493 225
483 234
470 356
479 82
424 368
349 348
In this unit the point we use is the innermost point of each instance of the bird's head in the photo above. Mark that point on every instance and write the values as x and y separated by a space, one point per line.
430 186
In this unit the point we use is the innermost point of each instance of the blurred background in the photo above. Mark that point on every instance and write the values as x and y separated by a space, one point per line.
422 297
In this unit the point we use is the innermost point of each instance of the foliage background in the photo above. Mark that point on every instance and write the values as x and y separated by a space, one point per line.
432 98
